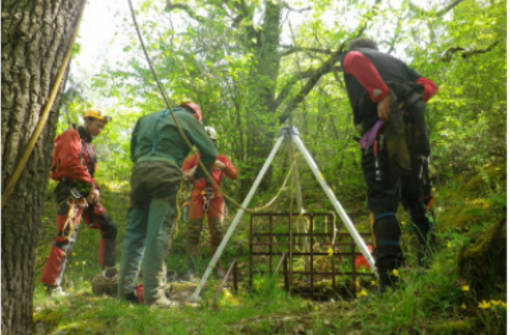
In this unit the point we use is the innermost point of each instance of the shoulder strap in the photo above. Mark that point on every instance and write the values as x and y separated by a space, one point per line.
92 158
91 166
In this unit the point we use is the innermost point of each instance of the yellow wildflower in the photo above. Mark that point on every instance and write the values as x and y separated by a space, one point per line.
373 283
449 244
77 263
465 288
484 305
362 294
498 303
330 252
74 254
395 272
227 298
463 306
403 222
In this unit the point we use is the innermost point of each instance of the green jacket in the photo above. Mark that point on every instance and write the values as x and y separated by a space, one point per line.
156 138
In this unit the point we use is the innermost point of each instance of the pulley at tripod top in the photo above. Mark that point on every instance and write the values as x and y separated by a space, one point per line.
288 131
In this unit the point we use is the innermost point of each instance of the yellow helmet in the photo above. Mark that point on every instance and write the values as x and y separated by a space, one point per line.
97 114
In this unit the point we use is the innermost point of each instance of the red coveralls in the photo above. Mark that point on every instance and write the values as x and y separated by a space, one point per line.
71 161
215 207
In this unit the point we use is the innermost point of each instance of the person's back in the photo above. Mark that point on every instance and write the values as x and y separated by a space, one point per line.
388 67
156 138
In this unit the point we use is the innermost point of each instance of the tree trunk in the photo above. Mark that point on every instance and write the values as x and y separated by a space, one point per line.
35 37
261 117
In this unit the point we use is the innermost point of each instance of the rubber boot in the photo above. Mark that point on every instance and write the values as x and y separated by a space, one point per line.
387 280
54 291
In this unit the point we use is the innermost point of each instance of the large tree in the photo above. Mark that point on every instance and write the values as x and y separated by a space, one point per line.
35 37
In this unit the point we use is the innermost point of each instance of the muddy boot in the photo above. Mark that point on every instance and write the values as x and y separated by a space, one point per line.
163 303
54 291
387 280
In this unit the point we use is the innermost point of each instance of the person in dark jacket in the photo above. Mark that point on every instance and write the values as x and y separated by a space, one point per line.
77 194
388 102
158 151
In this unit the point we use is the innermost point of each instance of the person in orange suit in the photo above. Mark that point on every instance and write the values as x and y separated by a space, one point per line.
77 194
206 199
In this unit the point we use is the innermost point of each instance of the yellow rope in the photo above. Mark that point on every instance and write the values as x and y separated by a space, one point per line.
44 116
179 129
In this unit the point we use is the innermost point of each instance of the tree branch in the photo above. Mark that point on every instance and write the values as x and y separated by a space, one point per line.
327 67
449 7
293 49
170 7
467 53
287 6
439 13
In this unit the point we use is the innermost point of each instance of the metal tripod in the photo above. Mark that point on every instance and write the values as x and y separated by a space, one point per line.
292 134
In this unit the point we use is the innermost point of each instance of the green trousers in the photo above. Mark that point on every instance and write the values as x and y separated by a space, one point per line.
154 187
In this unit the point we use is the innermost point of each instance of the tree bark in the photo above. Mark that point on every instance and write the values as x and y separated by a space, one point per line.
35 37
261 117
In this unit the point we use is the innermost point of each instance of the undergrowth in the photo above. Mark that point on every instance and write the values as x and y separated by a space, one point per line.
439 300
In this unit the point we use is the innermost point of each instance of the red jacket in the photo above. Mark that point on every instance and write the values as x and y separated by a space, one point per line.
229 170
67 160
360 66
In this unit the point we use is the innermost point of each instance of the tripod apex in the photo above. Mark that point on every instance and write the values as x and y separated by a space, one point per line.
288 131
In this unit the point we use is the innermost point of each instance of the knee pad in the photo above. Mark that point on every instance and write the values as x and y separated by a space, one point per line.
385 230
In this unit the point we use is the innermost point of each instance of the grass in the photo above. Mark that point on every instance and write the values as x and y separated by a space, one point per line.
436 301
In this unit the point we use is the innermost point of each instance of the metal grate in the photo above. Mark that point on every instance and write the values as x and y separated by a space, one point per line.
279 234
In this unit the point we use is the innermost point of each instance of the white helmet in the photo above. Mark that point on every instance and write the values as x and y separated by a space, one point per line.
211 133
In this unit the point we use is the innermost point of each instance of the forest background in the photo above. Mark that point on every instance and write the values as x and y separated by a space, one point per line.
255 66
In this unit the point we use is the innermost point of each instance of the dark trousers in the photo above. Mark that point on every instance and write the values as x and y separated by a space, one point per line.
384 195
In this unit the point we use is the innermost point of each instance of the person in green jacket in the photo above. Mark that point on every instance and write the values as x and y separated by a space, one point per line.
158 150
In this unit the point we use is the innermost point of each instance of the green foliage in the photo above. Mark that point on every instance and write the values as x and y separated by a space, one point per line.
224 63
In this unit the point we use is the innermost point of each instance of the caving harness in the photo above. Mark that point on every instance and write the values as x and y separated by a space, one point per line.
75 193
208 195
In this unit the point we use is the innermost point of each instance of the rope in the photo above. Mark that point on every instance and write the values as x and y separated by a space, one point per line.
178 126
44 116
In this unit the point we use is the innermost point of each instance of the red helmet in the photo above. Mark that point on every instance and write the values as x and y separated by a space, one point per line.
194 107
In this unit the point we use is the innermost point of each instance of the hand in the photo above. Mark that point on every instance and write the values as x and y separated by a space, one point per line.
93 197
189 174
384 108
219 165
